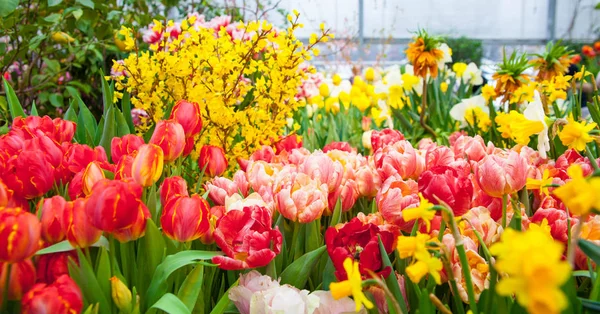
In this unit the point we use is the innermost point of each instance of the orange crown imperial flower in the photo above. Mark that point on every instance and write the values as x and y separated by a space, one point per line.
424 54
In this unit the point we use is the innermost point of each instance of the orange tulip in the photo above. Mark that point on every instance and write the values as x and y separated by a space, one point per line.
169 135
213 158
147 166
20 233
79 230
92 174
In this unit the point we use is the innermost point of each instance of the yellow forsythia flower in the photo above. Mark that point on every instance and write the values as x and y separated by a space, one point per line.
533 267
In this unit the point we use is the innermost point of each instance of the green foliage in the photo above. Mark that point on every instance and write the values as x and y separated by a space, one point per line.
466 49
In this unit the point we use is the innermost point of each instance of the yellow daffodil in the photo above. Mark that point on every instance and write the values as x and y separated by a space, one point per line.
444 87
562 81
409 246
576 134
582 74
488 93
337 79
425 264
324 90
423 211
459 68
533 269
515 126
540 184
370 74
579 194
351 287
472 111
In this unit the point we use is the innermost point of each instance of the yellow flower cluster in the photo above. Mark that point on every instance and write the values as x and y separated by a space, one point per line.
532 268
245 87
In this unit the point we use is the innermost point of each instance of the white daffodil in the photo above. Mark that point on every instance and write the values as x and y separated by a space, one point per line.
534 111
472 75
447 55
344 86
418 86
459 111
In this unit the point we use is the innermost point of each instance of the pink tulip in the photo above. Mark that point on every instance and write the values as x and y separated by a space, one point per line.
557 220
480 220
368 181
304 200
395 196
322 167
261 174
500 175
400 158
472 148
220 187
347 192
439 156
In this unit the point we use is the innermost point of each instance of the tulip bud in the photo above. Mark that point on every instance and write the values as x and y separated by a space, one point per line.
212 159
147 166
121 146
185 218
188 115
169 136
52 213
92 174
121 295
20 233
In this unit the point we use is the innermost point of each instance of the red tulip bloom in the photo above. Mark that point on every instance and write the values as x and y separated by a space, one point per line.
6 195
22 278
80 232
121 146
213 159
385 137
343 146
147 165
190 144
51 215
51 266
188 115
123 169
171 187
288 143
169 136
62 296
137 229
114 205
449 186
576 59
20 233
78 156
58 129
75 188
360 242
588 51
246 238
49 150
91 175
185 218
29 175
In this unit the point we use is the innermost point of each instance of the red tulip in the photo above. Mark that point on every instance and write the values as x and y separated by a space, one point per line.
213 159
247 239
190 144
171 187
114 205
147 165
78 157
22 278
343 146
62 296
185 218
288 143
502 175
52 210
188 115
29 175
121 146
58 129
123 170
80 232
51 151
588 51
5 195
137 229
576 59
169 136
442 184
51 266
20 233
360 242
75 189
385 137
91 175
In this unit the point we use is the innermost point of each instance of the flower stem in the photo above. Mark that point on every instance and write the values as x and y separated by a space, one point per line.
589 155
504 205
460 248
423 109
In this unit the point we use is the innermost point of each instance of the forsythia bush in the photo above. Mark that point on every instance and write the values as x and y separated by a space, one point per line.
244 78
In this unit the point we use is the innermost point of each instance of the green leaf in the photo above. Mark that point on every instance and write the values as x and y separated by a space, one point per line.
85 278
126 108
224 302
103 271
53 65
52 3
86 124
36 41
56 100
109 131
328 274
158 285
171 304
122 127
337 213
65 246
296 274
107 96
86 3
70 113
7 7
590 249
73 92
191 288
151 251
77 13
14 106
590 305
52 18
34 111
391 281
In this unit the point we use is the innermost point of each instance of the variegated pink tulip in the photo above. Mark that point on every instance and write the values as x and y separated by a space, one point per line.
398 158
304 200
347 193
322 167
395 196
368 181
221 187
472 148
479 219
504 174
